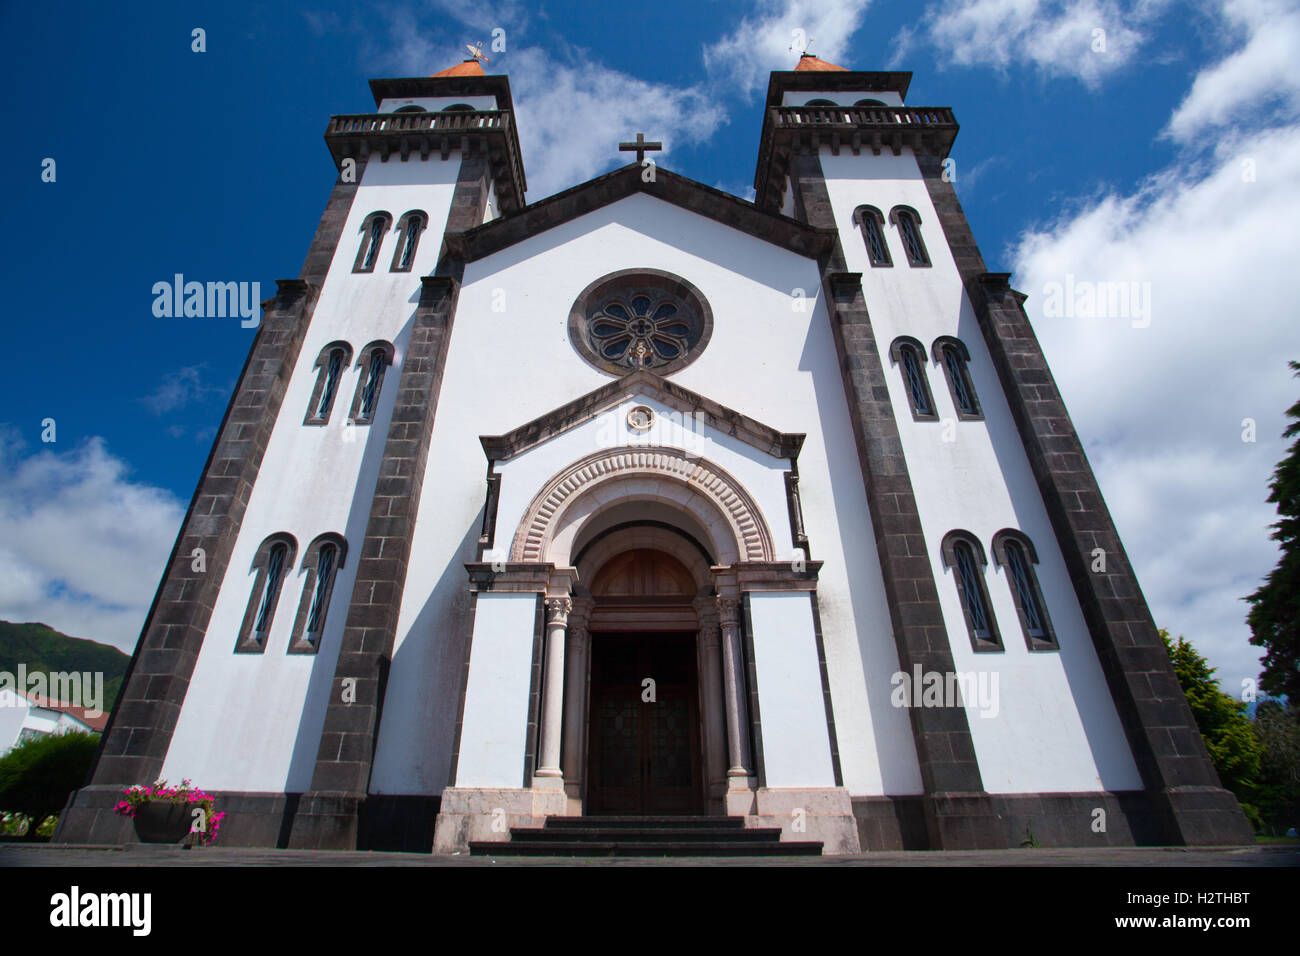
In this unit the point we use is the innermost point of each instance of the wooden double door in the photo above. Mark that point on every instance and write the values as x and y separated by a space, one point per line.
644 729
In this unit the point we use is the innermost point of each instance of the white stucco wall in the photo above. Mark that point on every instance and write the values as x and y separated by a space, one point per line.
840 97
766 359
1057 728
495 729
253 721
435 104
796 743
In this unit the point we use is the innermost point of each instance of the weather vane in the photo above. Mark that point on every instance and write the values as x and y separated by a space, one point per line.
806 48
476 51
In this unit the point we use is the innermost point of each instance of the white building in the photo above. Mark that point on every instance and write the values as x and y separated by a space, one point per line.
31 716
645 500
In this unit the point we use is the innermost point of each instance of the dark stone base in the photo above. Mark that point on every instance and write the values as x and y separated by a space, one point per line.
1207 816
326 821
1188 817
402 823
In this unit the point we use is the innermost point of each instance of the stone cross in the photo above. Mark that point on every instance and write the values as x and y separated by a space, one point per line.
640 147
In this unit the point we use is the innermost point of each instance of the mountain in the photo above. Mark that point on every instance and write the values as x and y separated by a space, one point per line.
41 648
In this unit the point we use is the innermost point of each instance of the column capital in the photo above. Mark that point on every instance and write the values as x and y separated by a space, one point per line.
728 610
557 610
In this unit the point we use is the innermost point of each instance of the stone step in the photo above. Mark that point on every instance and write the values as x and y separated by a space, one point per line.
641 822
643 834
631 848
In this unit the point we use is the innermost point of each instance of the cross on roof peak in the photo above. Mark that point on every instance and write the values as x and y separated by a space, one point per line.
640 147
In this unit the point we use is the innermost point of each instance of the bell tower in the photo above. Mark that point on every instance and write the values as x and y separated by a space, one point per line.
949 391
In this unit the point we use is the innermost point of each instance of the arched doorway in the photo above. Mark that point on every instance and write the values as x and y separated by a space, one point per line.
644 743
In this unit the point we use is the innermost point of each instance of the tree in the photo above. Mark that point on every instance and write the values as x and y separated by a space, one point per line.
1277 726
37 775
1274 616
1222 721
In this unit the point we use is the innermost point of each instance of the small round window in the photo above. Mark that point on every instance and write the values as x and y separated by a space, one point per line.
640 319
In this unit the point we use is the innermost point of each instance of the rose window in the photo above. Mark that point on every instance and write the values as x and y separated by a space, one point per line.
640 319
640 331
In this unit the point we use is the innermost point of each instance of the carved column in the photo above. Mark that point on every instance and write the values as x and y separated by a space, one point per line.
575 698
715 731
557 620
733 682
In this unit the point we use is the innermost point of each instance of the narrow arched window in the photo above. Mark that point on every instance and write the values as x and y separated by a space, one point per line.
321 563
953 357
909 355
374 359
271 564
372 238
331 362
909 230
872 224
1015 552
409 228
964 555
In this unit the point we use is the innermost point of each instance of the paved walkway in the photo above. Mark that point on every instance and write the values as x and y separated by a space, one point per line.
67 856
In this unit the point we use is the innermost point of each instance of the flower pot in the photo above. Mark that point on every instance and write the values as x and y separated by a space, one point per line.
162 822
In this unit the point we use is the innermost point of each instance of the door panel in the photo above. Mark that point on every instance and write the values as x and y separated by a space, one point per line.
644 753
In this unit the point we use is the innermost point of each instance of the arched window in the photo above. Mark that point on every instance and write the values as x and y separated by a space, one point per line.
1014 552
458 108
374 359
331 362
321 562
953 356
372 237
410 109
820 103
872 224
909 229
869 103
272 563
409 228
909 355
963 554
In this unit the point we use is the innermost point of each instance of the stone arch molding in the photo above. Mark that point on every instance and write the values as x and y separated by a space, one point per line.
752 538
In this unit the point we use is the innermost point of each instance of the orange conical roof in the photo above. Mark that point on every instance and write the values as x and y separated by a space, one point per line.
809 62
469 67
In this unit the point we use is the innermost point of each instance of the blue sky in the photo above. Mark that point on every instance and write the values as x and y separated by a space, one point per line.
1127 163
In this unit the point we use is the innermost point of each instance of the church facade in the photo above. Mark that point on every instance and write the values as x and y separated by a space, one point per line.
646 500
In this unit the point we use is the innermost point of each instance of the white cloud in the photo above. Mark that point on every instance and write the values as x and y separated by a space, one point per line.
180 388
1059 37
1160 409
613 106
82 547
762 43
1242 87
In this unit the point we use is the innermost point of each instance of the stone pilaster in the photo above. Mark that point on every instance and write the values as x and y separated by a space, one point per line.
575 702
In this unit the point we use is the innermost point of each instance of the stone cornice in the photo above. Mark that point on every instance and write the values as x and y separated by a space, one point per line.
717 417
791 129
871 81
696 197
358 135
415 87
